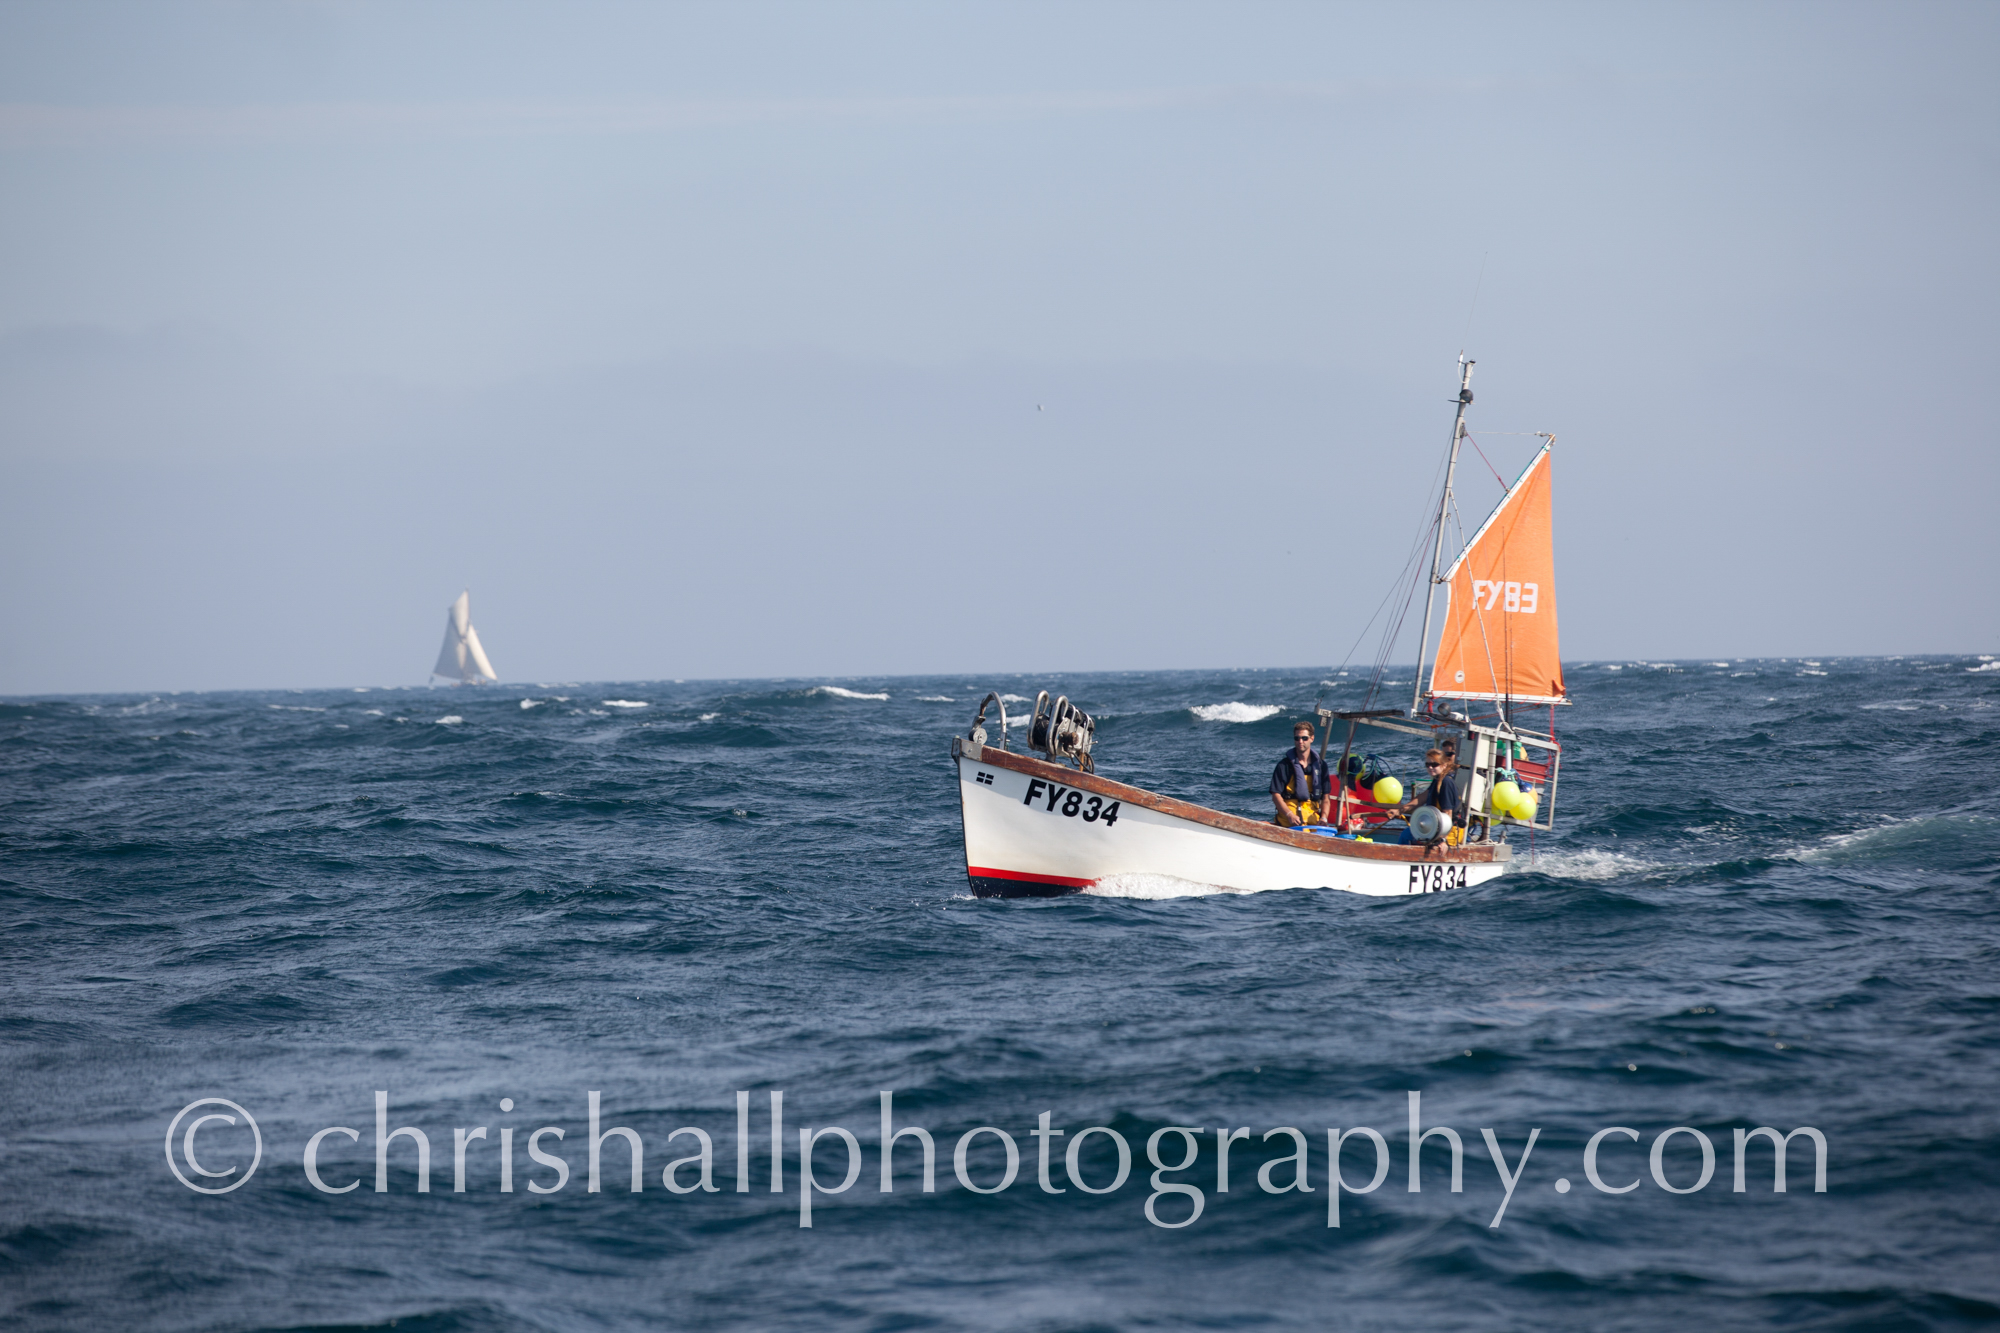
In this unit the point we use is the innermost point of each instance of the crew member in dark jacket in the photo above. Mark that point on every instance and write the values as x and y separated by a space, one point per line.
1299 783
1442 791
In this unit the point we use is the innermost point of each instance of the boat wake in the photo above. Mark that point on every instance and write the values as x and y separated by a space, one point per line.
1591 865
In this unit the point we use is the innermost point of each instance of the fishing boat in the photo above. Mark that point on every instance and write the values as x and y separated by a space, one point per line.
1045 822
462 660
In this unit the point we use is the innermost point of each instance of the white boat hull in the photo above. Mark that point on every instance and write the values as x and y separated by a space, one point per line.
1036 829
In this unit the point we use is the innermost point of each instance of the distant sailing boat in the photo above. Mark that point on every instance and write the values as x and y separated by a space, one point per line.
462 660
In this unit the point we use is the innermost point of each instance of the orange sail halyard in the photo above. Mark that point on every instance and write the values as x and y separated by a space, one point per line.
1499 639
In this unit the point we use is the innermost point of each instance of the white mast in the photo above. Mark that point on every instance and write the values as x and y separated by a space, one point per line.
1444 506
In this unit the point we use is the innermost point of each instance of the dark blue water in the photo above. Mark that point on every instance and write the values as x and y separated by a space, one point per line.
1770 902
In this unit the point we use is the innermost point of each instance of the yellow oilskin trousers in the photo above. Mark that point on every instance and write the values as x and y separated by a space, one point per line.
1306 812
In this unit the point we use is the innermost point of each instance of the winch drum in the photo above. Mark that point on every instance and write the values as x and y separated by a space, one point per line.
1428 823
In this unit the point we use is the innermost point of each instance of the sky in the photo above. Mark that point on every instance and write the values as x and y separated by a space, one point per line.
827 340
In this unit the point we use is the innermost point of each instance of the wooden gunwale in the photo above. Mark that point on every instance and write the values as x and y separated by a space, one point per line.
1476 854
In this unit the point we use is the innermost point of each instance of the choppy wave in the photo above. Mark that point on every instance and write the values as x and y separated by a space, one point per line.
1941 841
1235 712
626 703
450 720
935 699
1754 909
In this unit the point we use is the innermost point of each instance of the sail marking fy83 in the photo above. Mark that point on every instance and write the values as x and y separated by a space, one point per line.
1499 639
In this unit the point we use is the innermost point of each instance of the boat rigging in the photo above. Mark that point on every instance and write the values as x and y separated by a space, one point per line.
1048 823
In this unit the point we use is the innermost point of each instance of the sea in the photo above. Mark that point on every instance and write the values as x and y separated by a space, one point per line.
247 939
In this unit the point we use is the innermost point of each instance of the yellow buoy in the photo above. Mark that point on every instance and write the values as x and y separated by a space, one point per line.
1388 791
1524 809
1504 795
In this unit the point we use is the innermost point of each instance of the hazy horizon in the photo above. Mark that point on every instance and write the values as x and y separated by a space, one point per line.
978 680
780 341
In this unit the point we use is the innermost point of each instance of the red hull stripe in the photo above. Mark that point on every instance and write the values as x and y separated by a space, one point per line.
982 872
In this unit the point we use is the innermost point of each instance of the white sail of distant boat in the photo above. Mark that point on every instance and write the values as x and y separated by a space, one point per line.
462 659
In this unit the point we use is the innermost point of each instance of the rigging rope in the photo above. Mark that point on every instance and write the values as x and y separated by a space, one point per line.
1489 462
1390 635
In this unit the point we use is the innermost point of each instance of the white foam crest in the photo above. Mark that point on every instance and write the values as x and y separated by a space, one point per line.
1812 673
1154 888
283 708
935 699
1234 712
1720 664
532 703
839 693
450 721
626 703
708 717
1989 666
1015 699
371 712
1613 666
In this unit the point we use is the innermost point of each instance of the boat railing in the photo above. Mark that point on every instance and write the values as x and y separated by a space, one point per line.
977 735
1482 769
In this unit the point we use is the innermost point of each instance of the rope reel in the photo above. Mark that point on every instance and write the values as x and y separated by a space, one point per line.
1063 732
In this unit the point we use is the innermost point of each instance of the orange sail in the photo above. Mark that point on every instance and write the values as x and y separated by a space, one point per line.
1499 638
